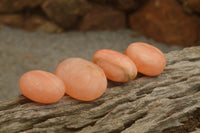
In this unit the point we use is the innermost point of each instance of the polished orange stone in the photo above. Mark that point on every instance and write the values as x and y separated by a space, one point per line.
148 59
41 86
117 66
83 79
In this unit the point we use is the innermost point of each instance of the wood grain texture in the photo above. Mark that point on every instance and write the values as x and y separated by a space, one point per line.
167 103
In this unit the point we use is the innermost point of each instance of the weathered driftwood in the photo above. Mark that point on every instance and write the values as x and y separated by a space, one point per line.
167 103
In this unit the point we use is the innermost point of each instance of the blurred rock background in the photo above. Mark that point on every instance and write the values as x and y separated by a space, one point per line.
80 27
174 22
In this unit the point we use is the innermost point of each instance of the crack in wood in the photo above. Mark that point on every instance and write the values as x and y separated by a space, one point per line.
191 122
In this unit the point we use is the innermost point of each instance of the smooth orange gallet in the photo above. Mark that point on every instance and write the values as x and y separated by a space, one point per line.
148 59
41 86
83 79
117 66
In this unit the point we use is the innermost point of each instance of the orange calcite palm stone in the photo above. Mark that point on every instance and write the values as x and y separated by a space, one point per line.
117 66
149 60
41 86
83 79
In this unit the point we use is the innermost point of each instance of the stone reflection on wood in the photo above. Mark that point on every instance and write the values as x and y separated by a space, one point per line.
167 103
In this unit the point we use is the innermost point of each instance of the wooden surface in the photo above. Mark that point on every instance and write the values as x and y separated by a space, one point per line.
167 103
